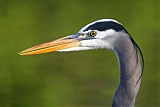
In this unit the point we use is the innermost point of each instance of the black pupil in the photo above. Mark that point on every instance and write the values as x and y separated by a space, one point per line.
93 33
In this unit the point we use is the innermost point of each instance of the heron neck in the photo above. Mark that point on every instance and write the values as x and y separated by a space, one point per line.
129 73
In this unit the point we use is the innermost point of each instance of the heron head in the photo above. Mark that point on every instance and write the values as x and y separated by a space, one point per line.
98 34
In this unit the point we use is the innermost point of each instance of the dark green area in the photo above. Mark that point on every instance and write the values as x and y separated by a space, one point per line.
76 79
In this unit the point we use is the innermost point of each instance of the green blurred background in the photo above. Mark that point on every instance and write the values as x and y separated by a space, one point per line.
76 79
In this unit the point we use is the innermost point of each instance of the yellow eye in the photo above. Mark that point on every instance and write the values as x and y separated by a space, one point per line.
93 33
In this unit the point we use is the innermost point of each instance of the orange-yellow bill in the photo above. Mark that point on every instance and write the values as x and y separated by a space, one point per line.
59 44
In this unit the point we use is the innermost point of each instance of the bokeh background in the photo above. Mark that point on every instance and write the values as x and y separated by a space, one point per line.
76 79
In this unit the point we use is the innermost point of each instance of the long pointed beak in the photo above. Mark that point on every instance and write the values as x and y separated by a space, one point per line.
56 45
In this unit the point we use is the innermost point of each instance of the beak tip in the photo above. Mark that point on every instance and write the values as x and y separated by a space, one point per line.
21 53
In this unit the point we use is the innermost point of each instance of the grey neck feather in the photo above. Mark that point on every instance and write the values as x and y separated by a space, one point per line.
130 69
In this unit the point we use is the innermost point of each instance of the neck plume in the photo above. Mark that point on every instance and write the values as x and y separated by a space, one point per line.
130 72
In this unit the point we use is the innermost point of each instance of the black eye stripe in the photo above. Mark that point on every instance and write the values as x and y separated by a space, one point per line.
102 26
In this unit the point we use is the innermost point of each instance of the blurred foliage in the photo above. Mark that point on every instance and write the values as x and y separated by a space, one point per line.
76 79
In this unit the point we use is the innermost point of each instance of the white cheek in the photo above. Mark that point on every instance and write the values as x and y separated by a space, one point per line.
95 43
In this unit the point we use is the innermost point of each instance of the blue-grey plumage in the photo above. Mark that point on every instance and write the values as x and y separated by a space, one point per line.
107 34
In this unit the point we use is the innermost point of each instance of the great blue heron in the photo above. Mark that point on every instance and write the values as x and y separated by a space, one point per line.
108 34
